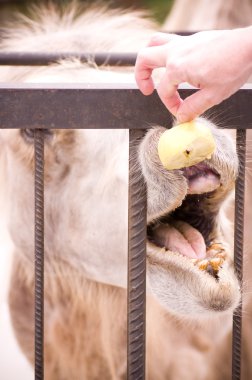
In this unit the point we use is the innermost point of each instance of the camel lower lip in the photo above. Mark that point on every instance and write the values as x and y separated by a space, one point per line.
216 256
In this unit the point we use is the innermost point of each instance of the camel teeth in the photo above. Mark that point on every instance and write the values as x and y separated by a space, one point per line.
214 253
194 261
216 263
202 265
217 246
210 265
221 255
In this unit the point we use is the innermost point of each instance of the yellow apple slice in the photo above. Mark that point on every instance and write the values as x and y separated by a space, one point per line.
185 145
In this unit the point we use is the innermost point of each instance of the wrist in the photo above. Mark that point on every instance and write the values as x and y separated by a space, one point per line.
245 43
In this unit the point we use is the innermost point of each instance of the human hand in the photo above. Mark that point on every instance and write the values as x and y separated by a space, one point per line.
218 63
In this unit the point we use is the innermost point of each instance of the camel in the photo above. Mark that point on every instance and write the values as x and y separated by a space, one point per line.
190 301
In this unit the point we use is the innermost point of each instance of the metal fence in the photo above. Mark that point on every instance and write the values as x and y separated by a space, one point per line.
42 107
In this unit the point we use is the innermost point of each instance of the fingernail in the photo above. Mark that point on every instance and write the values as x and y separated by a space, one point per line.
182 117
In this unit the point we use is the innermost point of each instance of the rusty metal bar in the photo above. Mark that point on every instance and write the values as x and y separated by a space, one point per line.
238 251
39 253
136 264
44 59
61 106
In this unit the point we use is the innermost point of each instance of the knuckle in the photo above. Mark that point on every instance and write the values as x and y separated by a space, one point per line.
173 67
157 37
141 56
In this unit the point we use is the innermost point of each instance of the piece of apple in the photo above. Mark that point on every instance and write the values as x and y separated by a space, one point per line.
185 145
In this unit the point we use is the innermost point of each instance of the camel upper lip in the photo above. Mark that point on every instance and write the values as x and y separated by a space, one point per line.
201 169
201 178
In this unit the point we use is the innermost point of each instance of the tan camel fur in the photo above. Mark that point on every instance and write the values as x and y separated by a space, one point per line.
190 301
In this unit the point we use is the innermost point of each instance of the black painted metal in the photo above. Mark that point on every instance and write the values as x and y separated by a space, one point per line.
43 59
39 254
102 106
136 264
238 251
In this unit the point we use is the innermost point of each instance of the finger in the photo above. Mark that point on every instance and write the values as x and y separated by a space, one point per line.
167 91
147 60
161 38
196 104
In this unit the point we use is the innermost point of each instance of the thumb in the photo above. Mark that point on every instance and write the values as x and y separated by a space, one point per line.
196 104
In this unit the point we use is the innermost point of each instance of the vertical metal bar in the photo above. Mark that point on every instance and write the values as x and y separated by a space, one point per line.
136 264
238 250
39 253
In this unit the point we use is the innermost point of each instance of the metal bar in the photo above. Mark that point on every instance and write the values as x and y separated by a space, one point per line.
62 106
39 254
238 251
14 58
136 265
44 59
27 58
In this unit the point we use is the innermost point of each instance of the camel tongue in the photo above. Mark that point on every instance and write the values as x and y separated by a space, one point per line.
182 238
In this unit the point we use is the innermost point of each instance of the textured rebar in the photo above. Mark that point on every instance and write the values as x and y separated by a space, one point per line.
238 251
136 264
39 253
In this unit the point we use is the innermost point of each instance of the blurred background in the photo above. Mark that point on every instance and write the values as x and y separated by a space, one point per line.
172 15
159 8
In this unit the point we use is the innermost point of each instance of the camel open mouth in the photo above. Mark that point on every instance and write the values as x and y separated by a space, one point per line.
190 230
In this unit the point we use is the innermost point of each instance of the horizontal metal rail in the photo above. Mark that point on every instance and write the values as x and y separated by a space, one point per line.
102 106
43 59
